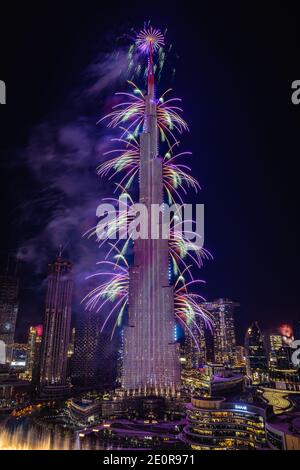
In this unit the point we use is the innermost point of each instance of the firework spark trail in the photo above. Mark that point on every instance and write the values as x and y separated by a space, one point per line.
187 304
132 112
176 177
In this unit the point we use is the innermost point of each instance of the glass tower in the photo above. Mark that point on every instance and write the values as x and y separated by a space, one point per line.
224 337
56 329
256 355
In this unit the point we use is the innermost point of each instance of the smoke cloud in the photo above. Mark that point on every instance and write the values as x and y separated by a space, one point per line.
62 156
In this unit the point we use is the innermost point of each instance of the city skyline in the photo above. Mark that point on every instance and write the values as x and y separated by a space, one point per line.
148 270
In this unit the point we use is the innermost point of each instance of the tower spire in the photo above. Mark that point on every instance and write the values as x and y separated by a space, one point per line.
149 41
150 72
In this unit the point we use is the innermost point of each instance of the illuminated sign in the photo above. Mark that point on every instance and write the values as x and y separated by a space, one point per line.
18 363
240 407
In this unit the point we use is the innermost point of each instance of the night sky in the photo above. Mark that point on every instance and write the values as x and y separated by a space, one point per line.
234 69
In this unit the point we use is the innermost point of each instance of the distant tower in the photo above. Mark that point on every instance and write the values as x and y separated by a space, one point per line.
256 355
224 337
33 353
151 357
9 304
56 329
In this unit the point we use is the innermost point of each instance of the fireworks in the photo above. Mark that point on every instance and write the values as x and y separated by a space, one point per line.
113 290
131 113
123 164
150 40
126 161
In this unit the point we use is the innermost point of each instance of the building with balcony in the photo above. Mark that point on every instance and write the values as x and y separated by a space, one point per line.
214 424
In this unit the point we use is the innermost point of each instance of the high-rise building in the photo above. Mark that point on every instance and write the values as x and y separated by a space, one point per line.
275 343
56 329
194 346
256 355
9 303
33 353
108 356
224 338
151 356
85 361
284 358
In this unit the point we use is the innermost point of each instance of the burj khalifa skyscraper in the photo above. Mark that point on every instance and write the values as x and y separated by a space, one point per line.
151 361
141 285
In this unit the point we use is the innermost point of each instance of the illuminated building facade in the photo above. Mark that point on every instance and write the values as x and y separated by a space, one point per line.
256 355
224 337
240 355
151 357
194 346
213 380
285 379
214 424
84 411
9 304
275 344
33 353
71 347
56 329
19 354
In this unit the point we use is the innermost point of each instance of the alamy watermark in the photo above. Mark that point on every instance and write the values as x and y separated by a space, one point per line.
2 92
295 97
296 354
2 352
183 222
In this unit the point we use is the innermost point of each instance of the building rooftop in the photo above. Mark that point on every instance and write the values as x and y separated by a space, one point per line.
289 422
230 378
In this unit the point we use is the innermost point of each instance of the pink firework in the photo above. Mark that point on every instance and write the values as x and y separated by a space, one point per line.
150 40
